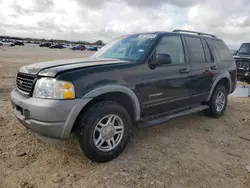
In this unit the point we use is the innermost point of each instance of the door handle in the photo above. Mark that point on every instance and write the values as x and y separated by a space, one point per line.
214 67
184 70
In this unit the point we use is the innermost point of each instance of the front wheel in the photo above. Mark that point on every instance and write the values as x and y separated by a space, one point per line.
104 131
218 102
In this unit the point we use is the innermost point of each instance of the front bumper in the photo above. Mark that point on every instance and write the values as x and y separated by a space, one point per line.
49 118
243 74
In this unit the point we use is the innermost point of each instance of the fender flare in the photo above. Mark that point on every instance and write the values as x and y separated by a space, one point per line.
225 75
117 88
88 97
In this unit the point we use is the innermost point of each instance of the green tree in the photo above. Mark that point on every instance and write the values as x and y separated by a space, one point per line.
99 42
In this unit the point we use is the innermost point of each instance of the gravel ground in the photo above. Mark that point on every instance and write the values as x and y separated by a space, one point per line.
191 151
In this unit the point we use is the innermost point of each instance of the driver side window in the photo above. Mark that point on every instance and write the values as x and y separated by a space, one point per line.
173 46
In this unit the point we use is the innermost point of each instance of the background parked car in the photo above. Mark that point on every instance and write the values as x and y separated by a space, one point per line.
1 44
18 43
92 48
70 46
59 46
12 44
46 44
79 47
242 59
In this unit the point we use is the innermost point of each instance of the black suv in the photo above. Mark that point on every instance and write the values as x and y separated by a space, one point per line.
242 59
19 43
59 46
135 80
46 44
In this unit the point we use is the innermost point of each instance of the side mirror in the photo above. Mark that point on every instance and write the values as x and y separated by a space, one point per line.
163 59
235 53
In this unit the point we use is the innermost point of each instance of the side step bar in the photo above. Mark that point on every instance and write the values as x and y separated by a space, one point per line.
163 119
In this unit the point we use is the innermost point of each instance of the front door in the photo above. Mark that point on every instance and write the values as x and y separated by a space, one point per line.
165 87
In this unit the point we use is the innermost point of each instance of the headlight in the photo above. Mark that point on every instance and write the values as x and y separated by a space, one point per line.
51 88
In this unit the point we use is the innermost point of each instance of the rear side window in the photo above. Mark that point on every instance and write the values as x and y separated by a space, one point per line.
208 56
196 52
223 50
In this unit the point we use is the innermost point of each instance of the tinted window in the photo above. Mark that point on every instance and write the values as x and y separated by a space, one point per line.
171 45
207 51
223 50
245 49
196 52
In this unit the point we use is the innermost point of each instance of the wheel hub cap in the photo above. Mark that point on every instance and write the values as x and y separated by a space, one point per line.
220 101
108 132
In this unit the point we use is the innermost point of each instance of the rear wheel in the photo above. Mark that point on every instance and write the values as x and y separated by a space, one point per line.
218 102
104 131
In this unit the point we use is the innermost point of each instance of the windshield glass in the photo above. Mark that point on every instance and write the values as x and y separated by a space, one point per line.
128 48
244 49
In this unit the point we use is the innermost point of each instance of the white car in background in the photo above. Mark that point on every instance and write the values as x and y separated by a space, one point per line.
5 43
68 46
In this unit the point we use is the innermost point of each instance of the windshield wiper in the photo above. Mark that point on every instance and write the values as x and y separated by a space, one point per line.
120 58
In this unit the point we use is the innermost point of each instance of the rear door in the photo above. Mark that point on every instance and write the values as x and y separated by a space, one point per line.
203 67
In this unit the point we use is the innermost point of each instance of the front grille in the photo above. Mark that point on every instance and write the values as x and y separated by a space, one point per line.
243 65
25 82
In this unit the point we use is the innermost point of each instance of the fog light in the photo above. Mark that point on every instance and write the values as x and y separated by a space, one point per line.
246 74
26 113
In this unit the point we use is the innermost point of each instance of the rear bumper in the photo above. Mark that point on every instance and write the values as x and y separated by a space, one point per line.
49 118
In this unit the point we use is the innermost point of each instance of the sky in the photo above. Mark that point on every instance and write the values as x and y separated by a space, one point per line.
93 20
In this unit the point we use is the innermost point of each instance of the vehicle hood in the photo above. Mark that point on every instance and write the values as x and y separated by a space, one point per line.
51 68
242 56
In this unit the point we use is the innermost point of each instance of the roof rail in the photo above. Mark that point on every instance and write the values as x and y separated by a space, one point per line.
194 32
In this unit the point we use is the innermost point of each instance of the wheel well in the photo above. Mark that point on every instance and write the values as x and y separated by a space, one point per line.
118 97
226 83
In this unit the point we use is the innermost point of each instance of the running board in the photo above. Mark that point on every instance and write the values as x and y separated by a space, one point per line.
163 119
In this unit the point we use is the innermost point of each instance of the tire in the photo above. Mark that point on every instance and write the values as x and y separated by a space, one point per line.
214 110
88 131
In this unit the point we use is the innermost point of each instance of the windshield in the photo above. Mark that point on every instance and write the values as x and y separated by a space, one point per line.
244 49
128 48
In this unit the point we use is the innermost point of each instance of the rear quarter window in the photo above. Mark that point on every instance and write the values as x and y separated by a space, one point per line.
208 53
224 52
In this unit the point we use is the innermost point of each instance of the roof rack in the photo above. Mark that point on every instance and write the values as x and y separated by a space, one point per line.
194 32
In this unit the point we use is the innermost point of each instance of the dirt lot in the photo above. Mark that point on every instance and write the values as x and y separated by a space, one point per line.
191 151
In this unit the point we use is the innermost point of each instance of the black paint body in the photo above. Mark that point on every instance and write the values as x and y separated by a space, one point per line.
159 89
